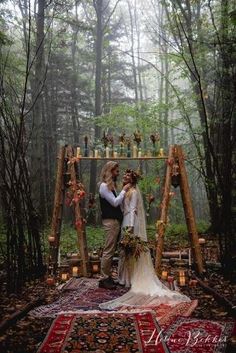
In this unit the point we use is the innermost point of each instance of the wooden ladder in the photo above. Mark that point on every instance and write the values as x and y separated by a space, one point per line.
65 155
176 156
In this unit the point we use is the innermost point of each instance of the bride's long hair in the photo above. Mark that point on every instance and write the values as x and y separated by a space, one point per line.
106 174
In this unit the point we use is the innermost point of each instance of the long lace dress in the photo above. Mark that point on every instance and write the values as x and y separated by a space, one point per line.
146 288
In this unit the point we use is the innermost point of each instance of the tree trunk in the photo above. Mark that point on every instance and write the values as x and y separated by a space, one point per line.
98 4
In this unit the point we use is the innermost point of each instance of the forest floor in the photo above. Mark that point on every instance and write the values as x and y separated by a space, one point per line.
27 334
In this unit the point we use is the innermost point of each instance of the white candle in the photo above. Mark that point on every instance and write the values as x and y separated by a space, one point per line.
161 152
134 151
96 153
189 257
139 154
115 154
78 152
107 152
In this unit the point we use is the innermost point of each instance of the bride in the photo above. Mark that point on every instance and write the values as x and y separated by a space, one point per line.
139 274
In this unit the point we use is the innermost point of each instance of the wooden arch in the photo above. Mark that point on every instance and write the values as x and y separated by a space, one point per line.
175 169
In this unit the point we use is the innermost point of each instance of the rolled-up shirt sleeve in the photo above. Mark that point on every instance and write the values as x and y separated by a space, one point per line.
133 207
109 196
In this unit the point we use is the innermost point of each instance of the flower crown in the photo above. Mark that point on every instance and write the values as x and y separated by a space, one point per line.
135 175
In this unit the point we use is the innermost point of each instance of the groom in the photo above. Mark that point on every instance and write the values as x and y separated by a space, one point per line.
111 218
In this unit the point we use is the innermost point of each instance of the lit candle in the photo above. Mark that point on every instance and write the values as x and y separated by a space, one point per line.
74 271
107 152
201 241
182 278
115 154
164 275
139 154
96 153
78 152
161 153
134 151
64 277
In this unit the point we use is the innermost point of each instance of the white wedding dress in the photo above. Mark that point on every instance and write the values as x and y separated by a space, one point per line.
146 289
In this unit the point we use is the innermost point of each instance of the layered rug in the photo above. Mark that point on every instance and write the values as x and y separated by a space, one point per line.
79 295
83 294
80 325
104 333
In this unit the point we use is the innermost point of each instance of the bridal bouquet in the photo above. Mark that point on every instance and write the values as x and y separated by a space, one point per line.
132 245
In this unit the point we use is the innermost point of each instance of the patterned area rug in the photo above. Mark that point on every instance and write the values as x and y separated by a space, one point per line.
104 333
83 294
191 335
79 295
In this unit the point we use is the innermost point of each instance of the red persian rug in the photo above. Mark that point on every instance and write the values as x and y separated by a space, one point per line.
105 333
191 335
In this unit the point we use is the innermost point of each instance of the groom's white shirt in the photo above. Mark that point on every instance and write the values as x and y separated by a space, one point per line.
109 196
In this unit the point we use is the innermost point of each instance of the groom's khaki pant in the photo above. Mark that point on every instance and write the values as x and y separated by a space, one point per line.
112 230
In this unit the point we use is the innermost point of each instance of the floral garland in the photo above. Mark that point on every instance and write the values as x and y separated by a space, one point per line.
132 245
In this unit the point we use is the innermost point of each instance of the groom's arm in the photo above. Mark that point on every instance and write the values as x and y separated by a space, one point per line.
110 197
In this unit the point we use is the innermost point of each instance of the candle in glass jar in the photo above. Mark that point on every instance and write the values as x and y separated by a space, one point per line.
161 153
115 154
182 280
96 153
107 152
74 271
64 276
164 275
139 154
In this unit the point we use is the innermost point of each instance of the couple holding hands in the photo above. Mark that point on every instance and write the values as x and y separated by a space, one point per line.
120 212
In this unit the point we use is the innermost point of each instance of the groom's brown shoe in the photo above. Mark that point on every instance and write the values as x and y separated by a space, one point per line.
107 284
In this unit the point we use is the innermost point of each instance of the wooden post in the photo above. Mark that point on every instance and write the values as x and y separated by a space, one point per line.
57 209
81 232
161 224
189 213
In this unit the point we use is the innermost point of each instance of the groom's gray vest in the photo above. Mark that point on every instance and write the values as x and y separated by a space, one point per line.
108 211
